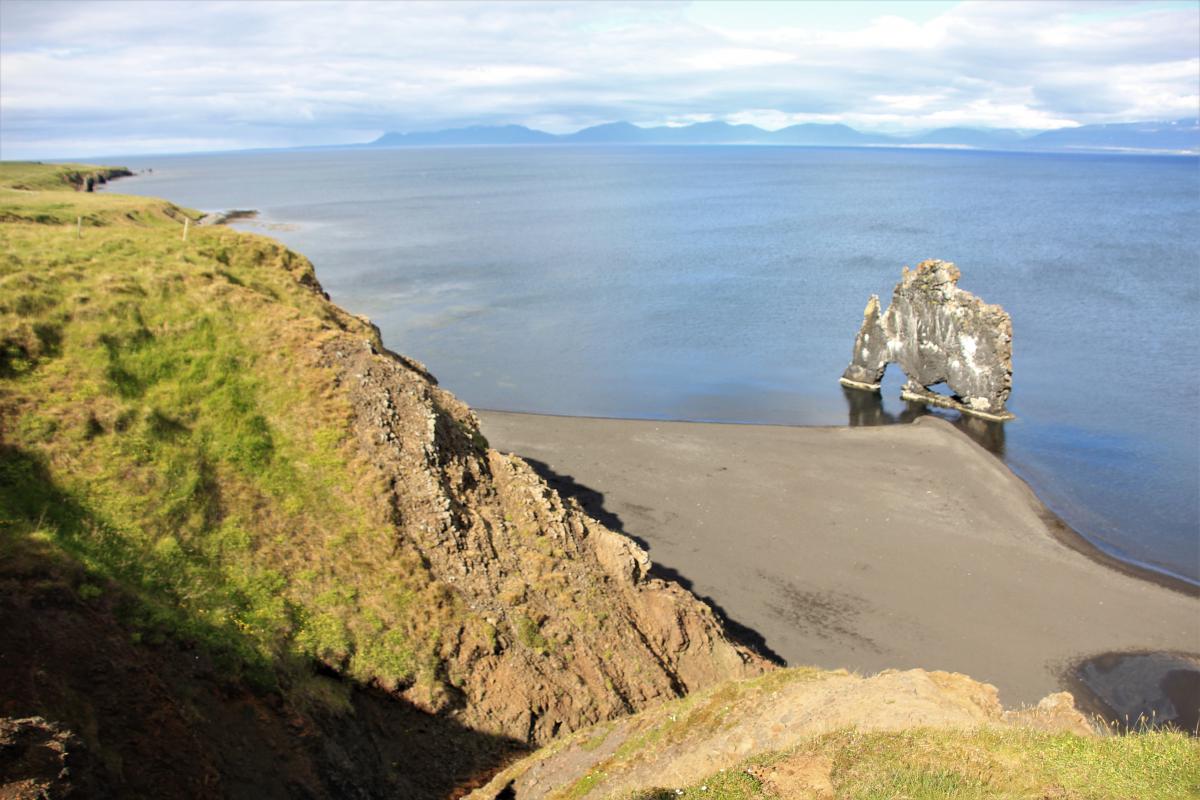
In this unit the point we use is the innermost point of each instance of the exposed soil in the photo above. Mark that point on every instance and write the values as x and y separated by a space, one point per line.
681 743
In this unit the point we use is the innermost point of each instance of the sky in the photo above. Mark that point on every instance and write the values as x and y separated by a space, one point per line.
95 77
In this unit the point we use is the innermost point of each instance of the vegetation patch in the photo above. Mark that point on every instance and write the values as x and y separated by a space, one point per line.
923 764
150 430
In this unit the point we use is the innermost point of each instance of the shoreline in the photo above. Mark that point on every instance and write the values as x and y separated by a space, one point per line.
1112 534
867 548
1058 528
836 614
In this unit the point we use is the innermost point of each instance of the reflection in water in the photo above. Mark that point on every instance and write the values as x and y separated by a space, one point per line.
1132 690
867 409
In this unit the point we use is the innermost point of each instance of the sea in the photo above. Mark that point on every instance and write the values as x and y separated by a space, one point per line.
726 284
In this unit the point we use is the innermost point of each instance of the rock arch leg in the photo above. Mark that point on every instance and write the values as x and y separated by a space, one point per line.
870 358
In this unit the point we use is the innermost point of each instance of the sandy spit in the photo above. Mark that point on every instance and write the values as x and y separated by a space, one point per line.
862 548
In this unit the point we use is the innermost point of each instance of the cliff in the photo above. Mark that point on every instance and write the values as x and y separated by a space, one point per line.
214 477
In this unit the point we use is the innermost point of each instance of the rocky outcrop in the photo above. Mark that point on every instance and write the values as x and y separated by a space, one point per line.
683 742
41 759
226 217
938 334
578 630
87 182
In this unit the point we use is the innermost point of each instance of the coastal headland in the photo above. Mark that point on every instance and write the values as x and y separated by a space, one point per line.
248 551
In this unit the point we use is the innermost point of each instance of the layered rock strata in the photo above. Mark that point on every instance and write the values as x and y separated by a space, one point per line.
581 632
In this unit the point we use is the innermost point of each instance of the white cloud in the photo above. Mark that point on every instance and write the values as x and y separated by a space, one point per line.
907 102
105 77
733 58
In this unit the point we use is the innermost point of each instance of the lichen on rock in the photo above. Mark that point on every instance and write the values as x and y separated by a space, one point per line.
938 334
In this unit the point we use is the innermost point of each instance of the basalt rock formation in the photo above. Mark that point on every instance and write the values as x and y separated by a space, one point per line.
582 633
938 334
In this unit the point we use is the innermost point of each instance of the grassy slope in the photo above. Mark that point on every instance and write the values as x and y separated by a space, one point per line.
161 423
36 176
988 763
992 761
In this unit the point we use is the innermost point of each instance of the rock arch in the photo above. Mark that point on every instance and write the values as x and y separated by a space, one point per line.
937 333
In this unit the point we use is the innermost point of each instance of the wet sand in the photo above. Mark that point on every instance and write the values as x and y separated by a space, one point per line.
864 548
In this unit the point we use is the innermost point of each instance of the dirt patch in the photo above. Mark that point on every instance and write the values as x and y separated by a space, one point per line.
798 777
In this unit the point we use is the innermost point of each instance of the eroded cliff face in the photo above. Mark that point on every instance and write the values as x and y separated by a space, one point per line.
544 622
570 629
938 334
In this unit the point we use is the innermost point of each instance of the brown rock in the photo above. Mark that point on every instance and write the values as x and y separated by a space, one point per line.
41 759
679 744
1054 712
557 586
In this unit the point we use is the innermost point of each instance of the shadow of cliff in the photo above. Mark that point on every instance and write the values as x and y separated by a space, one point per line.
165 716
592 502
1138 689
866 409
590 499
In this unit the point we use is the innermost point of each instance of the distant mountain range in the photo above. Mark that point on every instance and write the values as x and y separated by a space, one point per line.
1177 136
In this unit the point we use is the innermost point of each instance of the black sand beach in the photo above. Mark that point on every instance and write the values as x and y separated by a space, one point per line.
865 548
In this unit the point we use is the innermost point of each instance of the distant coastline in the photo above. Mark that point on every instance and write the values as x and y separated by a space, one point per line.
1174 137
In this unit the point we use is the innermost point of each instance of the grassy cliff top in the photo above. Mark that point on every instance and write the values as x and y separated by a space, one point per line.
164 424
236 466
38 176
980 764
809 734
48 194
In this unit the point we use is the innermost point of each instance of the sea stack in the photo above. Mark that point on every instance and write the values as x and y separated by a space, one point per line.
938 334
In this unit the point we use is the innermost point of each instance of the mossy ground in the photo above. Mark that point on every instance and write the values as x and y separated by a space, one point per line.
1013 763
164 421
1010 763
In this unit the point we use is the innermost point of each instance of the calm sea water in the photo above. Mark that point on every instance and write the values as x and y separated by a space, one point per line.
727 283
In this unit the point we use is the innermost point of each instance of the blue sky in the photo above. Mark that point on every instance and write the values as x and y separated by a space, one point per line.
113 78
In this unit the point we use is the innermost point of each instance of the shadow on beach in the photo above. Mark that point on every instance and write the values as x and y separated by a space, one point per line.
1132 691
592 502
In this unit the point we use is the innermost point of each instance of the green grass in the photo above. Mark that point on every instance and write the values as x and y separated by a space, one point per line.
1006 763
163 422
529 634
918 764
36 176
